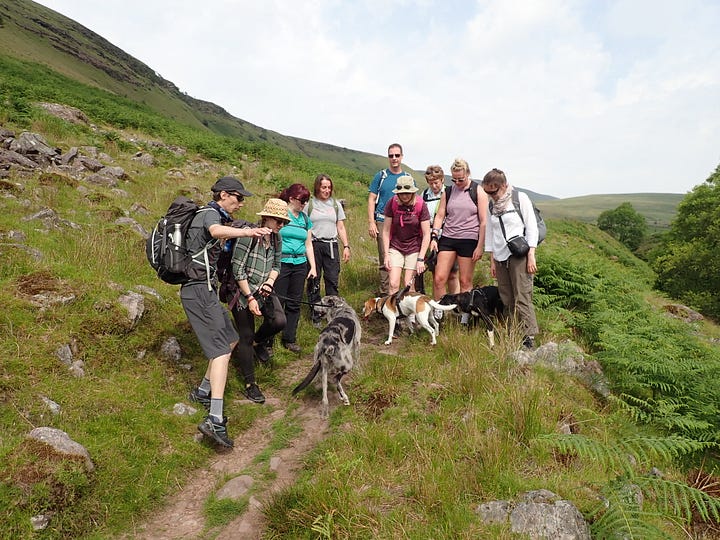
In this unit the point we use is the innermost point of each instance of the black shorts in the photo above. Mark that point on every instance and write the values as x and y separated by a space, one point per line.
464 247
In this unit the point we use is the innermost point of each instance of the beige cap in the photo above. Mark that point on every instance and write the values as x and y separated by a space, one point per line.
275 208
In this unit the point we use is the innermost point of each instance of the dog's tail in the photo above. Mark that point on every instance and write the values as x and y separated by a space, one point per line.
308 378
442 307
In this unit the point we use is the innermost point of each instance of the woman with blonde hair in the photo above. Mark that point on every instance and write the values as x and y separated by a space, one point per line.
461 216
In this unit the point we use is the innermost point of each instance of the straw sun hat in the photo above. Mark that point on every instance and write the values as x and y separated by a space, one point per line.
405 184
275 208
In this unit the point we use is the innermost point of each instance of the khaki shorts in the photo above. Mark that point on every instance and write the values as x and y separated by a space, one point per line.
398 260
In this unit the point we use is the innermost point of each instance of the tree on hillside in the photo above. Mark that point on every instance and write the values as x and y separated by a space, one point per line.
625 224
689 268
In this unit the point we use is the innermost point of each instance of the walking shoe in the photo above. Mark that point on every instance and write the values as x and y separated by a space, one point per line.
196 397
293 347
438 314
261 353
253 393
216 431
529 343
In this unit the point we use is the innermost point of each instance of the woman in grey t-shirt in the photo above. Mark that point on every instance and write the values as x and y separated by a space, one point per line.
328 224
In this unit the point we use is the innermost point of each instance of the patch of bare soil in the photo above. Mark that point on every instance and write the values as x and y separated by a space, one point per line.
182 516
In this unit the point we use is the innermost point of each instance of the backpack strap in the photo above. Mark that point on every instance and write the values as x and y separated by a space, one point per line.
472 191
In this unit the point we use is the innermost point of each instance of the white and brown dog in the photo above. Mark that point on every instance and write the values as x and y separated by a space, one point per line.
406 304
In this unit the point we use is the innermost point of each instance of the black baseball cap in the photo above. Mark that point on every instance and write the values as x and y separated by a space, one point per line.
231 185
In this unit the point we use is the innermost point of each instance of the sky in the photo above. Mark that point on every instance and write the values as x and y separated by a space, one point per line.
568 97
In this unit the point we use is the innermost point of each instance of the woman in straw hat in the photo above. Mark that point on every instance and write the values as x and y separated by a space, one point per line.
256 265
406 233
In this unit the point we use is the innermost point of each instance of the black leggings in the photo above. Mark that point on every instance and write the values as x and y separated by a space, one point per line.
273 323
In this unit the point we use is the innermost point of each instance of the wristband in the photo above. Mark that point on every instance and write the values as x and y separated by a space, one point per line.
346 247
251 298
248 295
421 260
433 236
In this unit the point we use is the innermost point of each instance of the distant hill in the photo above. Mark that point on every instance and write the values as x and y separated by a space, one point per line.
659 209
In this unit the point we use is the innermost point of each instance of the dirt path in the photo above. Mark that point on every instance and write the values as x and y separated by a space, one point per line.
183 518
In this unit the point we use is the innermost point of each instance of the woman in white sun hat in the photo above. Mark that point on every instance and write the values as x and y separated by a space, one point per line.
406 233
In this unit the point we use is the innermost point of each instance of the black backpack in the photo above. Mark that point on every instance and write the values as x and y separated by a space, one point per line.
165 247
542 227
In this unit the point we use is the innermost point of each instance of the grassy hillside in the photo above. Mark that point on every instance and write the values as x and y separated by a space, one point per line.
658 209
35 33
431 432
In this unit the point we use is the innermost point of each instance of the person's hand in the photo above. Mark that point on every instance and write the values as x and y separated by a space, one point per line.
257 231
346 254
420 267
531 264
254 306
312 273
492 268
478 253
373 230
433 244
265 289
387 262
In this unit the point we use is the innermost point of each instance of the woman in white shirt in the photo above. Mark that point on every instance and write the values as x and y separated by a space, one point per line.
514 273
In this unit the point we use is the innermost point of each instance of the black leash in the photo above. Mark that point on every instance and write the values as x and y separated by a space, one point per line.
281 297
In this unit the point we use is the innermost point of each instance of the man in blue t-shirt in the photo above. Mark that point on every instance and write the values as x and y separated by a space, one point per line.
381 191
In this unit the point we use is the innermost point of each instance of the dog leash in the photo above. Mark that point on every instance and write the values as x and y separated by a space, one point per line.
281 297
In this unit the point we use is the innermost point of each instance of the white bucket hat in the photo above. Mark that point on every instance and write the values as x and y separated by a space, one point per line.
405 184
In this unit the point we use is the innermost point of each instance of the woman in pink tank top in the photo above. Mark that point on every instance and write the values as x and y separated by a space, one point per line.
459 229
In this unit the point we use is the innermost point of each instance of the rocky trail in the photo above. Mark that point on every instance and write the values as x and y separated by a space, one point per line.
183 517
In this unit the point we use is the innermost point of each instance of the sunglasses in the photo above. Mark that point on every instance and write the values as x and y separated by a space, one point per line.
408 187
301 201
491 192
457 179
394 155
240 198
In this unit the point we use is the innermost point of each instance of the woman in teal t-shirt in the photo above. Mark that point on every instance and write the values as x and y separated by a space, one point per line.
297 262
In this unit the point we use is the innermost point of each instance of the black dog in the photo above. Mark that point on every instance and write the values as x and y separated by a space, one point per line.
482 304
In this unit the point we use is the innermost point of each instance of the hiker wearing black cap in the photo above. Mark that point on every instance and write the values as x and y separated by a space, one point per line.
209 319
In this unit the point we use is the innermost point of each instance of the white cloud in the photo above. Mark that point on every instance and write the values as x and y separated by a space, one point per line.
569 97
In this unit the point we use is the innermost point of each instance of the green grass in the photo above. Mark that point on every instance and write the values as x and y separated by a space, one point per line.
432 432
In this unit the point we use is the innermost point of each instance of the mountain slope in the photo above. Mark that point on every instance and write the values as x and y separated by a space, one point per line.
33 32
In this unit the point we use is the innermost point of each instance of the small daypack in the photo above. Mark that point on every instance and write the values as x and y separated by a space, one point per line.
336 205
165 247
542 227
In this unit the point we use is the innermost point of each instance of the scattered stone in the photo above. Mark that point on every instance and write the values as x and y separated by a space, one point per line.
102 180
41 521
69 156
54 407
144 159
235 487
62 444
170 350
144 289
180 409
540 514
275 463
35 253
91 164
78 369
135 305
65 112
65 354
683 312
133 225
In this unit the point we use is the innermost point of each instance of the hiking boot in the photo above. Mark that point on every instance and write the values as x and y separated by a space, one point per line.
261 353
253 393
196 397
438 314
529 343
216 431
292 347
